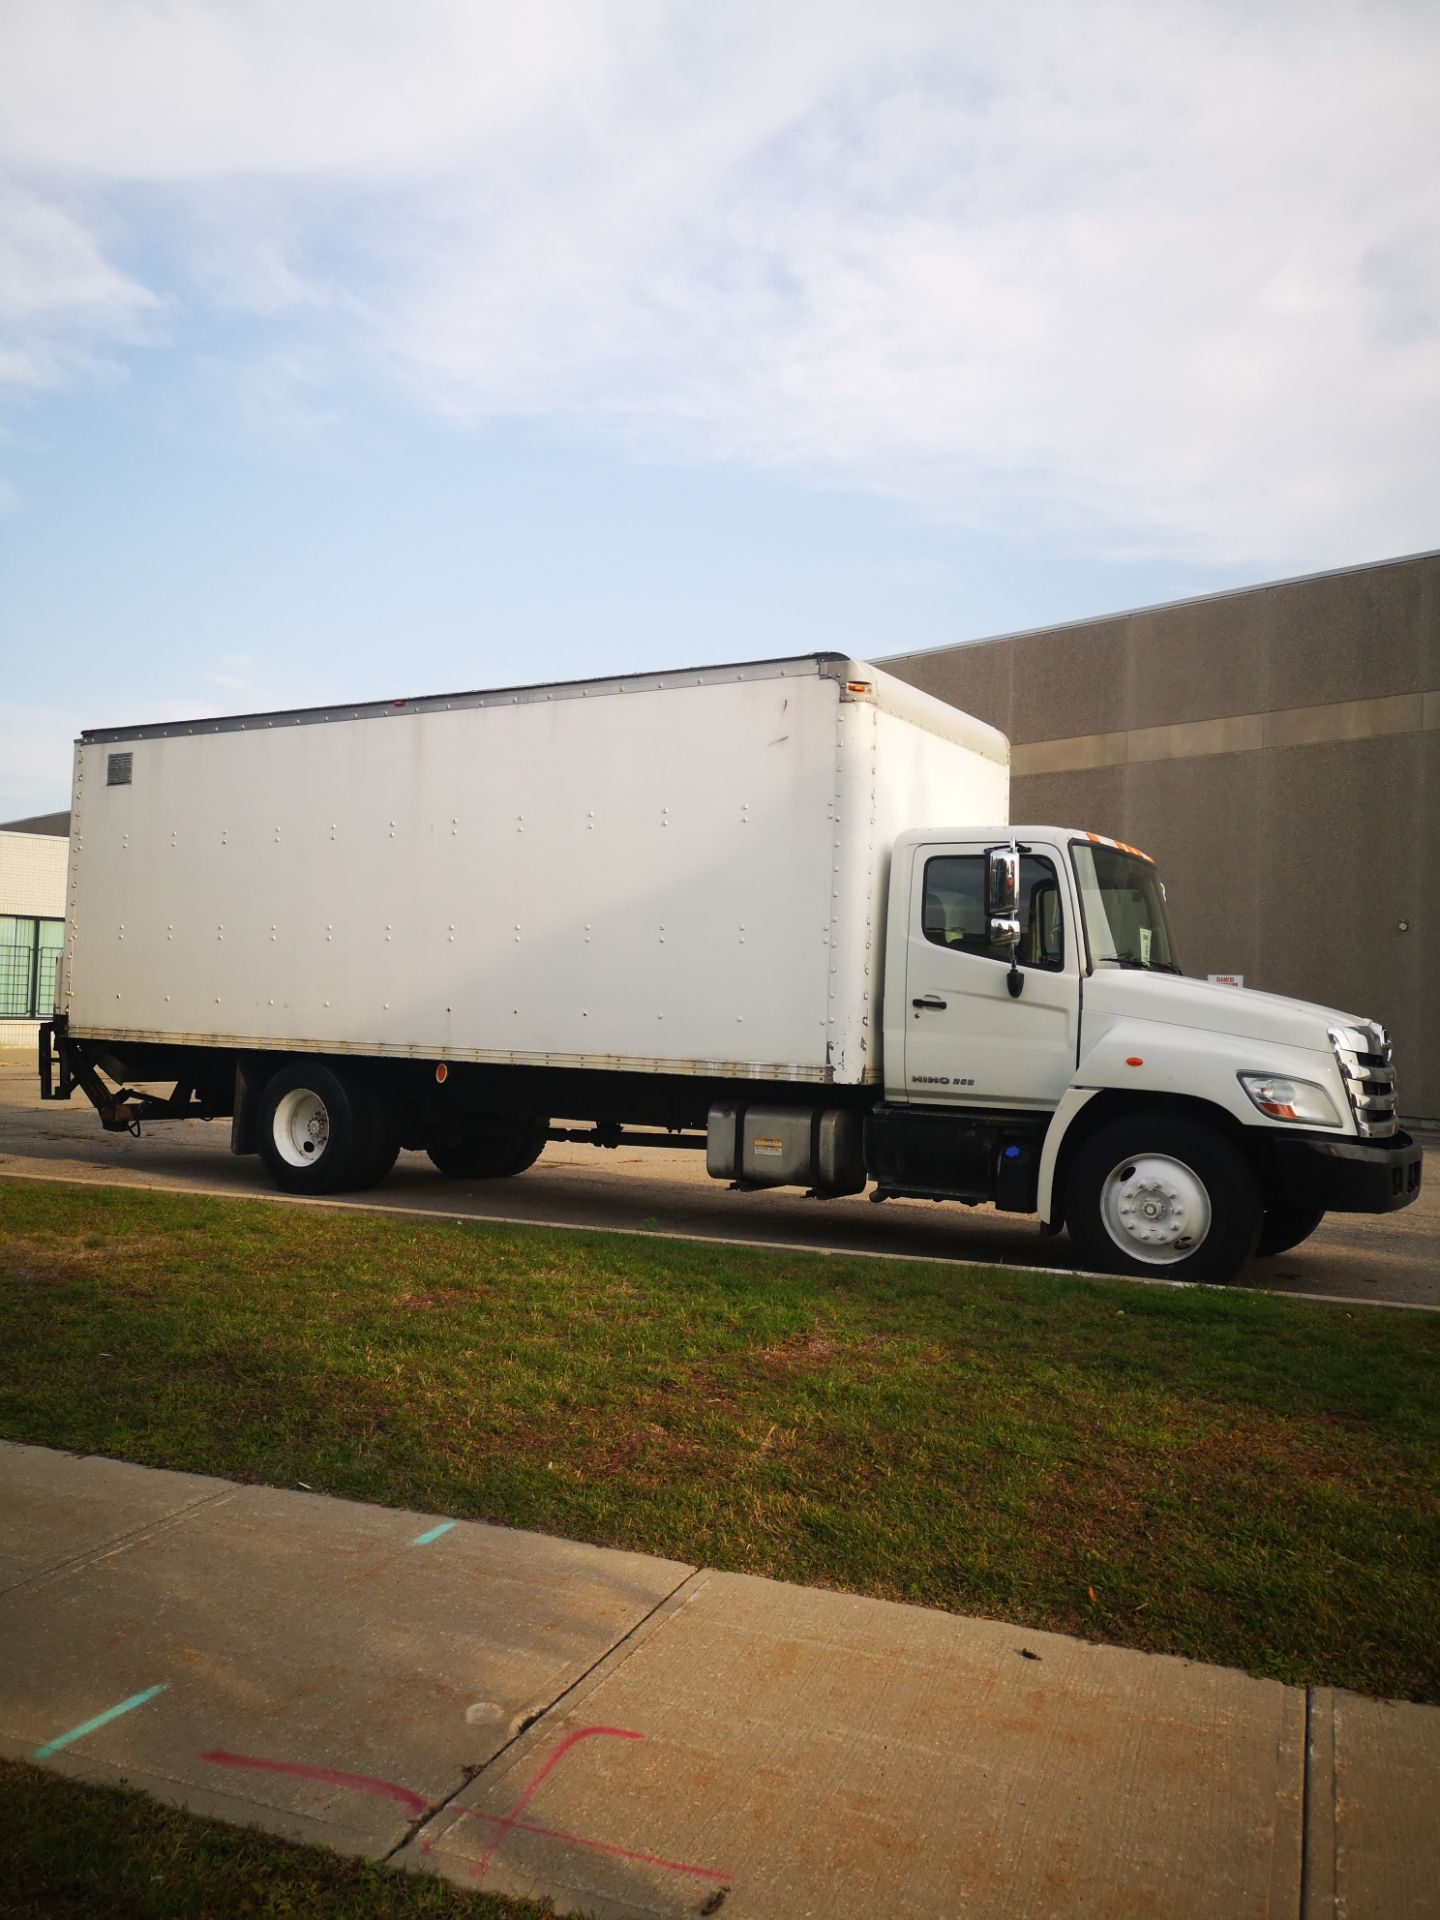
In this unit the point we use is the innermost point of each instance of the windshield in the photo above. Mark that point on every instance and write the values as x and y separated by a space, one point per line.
1123 900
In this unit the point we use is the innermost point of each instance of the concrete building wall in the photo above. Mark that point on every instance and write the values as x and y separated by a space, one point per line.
1278 751
32 874
32 884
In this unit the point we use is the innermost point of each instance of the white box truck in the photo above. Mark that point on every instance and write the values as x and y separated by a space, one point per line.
775 911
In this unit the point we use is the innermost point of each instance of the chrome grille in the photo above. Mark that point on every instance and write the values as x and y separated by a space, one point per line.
1363 1054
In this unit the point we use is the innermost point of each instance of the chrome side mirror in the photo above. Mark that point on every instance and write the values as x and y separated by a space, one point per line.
1005 932
1002 896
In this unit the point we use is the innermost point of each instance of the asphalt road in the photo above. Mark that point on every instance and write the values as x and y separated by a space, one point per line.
1384 1257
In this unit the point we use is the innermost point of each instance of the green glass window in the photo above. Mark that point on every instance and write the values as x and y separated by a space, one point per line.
28 948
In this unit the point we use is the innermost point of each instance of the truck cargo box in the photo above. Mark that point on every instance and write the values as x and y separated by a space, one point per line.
676 873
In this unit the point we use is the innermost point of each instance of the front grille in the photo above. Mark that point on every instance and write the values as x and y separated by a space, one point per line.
1363 1054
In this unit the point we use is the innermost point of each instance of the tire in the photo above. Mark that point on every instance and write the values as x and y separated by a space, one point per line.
490 1147
1159 1195
319 1130
1287 1222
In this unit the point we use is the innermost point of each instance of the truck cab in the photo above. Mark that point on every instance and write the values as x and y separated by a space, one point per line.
1039 1031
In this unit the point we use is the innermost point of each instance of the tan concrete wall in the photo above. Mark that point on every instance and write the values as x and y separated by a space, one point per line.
1278 751
32 874
32 881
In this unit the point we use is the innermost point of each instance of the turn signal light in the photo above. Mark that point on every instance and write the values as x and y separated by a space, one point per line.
1286 1099
1280 1102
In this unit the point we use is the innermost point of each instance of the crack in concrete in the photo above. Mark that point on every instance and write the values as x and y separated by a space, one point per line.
531 1719
123 1541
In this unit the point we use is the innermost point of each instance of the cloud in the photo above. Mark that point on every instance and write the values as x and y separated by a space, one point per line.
1162 280
59 296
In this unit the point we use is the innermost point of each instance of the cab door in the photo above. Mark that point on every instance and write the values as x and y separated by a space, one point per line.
967 1040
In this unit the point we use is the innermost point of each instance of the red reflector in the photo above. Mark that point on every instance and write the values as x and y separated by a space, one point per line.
442 1073
1134 1061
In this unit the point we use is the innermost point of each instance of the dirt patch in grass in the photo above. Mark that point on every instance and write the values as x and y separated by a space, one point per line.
435 1298
806 1352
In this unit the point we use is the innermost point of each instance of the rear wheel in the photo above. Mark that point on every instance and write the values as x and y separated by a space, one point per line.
320 1130
1287 1223
490 1147
1160 1195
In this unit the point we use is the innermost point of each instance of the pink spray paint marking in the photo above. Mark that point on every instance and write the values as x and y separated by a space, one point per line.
503 1822
512 1823
331 1777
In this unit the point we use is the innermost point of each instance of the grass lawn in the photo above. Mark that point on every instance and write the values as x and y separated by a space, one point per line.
1240 1479
73 1852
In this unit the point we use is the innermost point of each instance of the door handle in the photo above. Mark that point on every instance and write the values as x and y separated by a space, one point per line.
929 1000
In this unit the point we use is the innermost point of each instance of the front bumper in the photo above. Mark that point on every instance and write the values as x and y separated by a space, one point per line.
1354 1176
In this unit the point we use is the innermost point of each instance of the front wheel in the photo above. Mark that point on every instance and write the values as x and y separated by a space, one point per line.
1162 1196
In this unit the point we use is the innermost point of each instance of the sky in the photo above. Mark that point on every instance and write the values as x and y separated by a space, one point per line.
352 350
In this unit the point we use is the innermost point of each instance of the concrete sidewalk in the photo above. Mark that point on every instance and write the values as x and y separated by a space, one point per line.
638 1737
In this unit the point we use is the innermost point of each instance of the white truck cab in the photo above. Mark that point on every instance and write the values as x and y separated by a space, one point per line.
1173 1125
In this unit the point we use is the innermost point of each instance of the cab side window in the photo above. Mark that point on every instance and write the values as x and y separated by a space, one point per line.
953 914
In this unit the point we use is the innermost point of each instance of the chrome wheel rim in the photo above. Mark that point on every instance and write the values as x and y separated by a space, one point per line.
1155 1209
301 1128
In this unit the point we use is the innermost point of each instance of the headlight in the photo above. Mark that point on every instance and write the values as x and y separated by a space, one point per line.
1285 1099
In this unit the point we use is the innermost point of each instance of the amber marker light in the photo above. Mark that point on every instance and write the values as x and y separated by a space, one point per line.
1285 1099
